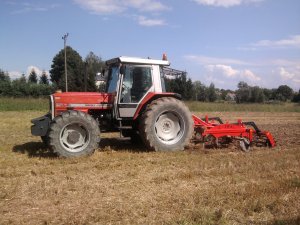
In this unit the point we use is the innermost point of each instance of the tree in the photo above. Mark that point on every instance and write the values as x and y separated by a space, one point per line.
224 93
257 95
4 76
94 65
188 95
200 91
22 79
20 87
196 89
32 77
284 93
211 93
296 97
243 93
268 93
44 78
74 67
181 85
5 84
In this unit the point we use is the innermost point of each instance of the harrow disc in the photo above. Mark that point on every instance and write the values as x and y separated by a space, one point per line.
245 144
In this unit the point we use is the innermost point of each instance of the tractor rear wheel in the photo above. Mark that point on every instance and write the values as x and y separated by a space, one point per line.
74 134
166 125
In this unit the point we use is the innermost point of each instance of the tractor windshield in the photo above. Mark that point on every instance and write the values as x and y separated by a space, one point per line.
112 79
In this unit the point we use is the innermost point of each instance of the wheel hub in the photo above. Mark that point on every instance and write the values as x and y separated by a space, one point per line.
74 137
168 127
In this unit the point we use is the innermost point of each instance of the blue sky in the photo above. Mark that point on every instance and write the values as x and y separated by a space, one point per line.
219 41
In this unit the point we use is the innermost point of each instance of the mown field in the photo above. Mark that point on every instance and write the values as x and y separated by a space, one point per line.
124 184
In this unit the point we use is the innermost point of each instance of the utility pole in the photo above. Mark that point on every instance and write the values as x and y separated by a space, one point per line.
66 72
85 76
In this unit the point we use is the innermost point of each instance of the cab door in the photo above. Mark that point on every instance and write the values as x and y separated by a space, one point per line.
136 81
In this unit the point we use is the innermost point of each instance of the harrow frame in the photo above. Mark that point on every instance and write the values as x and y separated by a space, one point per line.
212 131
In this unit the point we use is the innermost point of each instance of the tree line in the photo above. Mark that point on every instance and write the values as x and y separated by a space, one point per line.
245 93
82 77
23 87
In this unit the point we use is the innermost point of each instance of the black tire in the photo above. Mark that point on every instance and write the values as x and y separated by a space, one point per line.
166 125
74 134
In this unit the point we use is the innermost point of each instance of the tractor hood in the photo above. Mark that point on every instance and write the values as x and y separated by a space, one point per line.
81 101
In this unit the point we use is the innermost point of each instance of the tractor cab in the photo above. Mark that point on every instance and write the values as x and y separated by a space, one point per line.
130 80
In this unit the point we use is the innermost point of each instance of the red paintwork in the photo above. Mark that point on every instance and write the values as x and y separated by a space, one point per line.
82 101
149 97
229 130
85 101
270 138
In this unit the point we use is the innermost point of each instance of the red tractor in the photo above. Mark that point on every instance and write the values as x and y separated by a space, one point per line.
135 103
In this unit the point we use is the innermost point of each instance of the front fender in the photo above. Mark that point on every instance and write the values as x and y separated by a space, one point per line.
41 125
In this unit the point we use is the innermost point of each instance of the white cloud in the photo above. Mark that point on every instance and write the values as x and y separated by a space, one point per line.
225 70
17 74
146 5
117 6
14 74
102 6
127 8
36 69
142 20
290 75
297 80
204 60
292 41
284 62
249 75
285 74
228 72
225 3
266 73
26 7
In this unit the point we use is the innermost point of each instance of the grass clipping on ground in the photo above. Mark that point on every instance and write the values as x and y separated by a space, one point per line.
123 184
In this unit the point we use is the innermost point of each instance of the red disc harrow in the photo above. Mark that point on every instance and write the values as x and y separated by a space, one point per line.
212 132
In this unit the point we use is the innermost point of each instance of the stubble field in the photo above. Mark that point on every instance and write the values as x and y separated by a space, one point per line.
124 184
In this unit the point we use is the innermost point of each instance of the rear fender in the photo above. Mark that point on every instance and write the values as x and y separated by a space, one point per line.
150 97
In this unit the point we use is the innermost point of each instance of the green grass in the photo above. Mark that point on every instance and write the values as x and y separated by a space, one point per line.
41 104
23 104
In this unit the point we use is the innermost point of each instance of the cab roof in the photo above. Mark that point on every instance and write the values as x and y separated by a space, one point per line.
135 60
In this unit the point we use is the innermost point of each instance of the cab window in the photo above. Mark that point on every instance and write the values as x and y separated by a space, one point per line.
113 79
137 81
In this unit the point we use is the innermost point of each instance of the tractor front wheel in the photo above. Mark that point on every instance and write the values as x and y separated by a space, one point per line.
166 125
74 134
